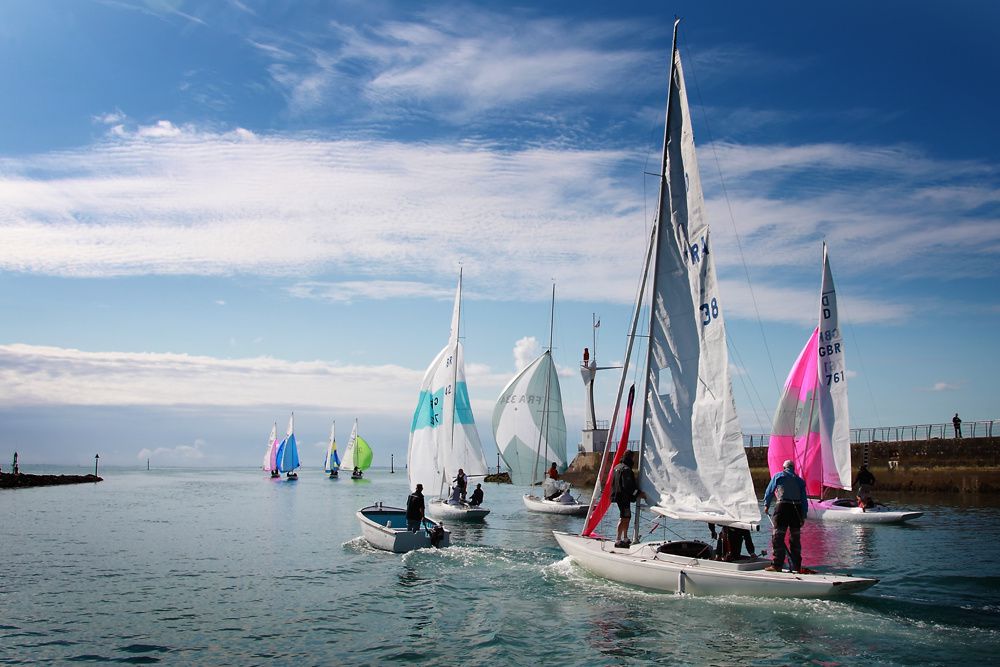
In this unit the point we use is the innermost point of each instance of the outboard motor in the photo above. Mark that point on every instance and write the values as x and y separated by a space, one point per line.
437 534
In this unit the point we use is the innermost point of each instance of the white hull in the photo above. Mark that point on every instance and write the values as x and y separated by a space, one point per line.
536 504
395 537
829 510
642 565
441 510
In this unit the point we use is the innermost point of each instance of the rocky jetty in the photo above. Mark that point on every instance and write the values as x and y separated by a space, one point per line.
21 481
499 478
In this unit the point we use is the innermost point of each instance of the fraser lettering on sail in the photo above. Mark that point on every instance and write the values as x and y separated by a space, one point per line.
530 399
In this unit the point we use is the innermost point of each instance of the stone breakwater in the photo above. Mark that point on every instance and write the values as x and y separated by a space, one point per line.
11 481
970 465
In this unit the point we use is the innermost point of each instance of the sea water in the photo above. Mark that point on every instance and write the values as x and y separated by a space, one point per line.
228 567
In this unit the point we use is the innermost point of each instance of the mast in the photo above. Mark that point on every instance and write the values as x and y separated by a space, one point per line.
658 239
598 486
543 433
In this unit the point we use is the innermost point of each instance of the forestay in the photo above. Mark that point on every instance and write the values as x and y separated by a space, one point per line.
693 465
530 431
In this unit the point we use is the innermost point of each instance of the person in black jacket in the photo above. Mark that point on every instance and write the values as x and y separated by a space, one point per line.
624 492
864 484
415 509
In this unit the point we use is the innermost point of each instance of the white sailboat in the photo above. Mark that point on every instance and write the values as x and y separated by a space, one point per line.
271 453
358 455
443 435
692 464
331 462
811 424
530 431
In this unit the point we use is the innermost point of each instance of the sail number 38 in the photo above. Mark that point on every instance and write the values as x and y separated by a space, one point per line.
709 312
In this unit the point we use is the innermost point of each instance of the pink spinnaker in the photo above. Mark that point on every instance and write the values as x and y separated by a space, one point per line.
796 431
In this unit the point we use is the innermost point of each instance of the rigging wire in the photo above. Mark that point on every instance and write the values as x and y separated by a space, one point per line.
732 219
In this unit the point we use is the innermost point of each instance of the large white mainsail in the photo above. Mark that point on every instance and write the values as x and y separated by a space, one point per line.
692 465
530 431
834 422
443 435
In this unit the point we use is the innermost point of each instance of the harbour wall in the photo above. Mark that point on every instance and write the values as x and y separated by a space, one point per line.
970 465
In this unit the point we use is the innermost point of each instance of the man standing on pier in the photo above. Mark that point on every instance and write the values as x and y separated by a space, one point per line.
958 426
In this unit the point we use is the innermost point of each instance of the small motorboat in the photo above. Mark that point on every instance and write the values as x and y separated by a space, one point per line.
385 528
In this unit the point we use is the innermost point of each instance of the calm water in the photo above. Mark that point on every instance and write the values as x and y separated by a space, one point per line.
228 567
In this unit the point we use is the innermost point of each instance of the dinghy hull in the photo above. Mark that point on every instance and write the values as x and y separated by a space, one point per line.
445 511
543 506
385 528
644 566
830 510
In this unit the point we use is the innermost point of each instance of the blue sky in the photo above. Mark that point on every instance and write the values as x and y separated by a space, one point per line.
212 214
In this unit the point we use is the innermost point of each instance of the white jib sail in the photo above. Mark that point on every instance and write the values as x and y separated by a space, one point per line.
834 422
530 433
270 447
693 464
347 463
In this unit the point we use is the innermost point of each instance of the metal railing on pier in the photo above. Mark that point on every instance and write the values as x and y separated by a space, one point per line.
984 428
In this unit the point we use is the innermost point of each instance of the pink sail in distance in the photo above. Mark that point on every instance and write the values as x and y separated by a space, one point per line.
811 426
795 435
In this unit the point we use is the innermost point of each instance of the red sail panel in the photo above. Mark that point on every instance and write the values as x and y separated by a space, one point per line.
605 500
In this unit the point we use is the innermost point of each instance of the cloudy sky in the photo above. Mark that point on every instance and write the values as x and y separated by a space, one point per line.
212 214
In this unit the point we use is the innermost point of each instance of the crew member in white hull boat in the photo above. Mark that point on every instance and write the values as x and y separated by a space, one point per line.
624 492
477 496
787 491
865 483
553 474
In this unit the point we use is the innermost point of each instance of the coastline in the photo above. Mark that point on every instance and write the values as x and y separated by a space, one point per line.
25 480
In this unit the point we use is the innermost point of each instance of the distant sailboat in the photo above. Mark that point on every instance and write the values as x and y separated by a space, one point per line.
358 456
331 463
443 435
271 453
287 456
811 424
530 431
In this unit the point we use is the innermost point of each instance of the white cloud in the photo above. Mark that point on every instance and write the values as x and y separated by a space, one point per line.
174 200
351 290
942 386
39 375
526 350
181 455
